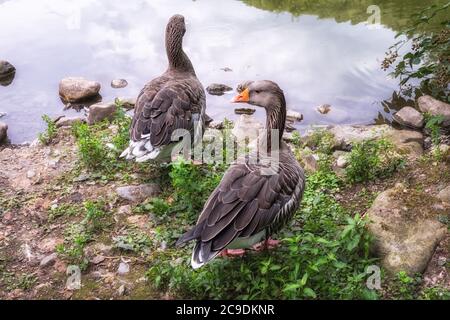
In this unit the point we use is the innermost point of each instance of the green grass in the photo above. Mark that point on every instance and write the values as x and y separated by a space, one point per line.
324 252
50 133
79 235
372 159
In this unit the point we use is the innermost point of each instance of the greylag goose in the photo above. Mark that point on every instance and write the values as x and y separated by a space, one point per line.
253 200
172 102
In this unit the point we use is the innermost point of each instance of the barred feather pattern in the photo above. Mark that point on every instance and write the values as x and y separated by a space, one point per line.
175 100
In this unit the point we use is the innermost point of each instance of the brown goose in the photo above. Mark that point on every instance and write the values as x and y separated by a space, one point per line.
253 200
172 102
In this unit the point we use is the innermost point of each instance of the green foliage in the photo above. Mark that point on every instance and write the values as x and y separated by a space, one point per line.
63 210
434 124
324 255
123 123
98 149
436 293
372 159
78 235
193 184
427 63
405 287
133 241
92 151
50 133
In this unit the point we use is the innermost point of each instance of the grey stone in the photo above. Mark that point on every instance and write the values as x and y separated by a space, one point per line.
48 260
119 83
444 195
428 104
311 162
218 125
405 237
409 117
248 111
294 116
6 69
324 109
217 89
124 268
3 131
101 111
138 193
66 121
77 89
127 103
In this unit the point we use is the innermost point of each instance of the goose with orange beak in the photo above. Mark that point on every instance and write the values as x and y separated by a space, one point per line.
254 200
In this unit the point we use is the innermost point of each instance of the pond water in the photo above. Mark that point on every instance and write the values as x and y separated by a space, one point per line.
320 52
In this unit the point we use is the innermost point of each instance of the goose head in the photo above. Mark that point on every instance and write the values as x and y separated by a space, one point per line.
176 27
262 93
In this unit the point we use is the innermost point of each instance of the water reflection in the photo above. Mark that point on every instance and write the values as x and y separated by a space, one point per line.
316 61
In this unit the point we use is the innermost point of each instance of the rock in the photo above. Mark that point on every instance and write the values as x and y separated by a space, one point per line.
409 117
97 260
444 195
122 290
77 89
124 210
311 162
409 141
427 143
248 111
289 127
124 268
48 260
31 174
247 127
405 234
226 69
138 193
428 104
2 114
66 121
342 162
127 103
6 69
101 111
217 125
119 83
294 116
3 131
7 73
324 109
217 89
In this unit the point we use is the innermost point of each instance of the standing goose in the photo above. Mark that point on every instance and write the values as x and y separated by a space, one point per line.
174 101
253 200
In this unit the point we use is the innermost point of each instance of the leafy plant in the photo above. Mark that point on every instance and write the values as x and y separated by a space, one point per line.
324 255
92 151
50 133
428 61
193 184
434 124
372 159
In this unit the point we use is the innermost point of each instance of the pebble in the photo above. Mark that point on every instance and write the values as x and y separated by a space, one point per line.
124 268
31 174
119 83
48 260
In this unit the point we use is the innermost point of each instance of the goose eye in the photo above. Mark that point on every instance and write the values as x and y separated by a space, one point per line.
257 91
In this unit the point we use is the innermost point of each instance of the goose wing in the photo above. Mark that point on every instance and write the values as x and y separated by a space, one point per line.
245 203
164 106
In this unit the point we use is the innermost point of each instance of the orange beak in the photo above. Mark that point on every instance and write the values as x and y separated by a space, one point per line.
244 96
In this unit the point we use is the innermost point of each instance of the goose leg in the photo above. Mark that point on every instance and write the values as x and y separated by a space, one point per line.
266 245
232 253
